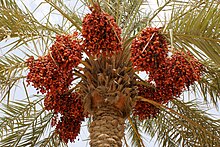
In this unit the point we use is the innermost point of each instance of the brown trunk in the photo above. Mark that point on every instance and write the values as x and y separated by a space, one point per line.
107 127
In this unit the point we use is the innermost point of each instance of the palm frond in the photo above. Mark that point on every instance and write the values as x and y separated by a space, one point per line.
195 28
13 112
11 71
66 13
128 15
15 22
134 132
198 29
23 34
209 85
184 124
24 123
52 140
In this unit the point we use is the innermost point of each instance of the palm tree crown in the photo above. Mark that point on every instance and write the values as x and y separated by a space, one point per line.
112 67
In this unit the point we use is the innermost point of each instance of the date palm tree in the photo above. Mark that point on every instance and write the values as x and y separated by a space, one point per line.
127 68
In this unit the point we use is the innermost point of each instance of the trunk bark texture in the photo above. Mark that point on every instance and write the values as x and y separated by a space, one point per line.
107 127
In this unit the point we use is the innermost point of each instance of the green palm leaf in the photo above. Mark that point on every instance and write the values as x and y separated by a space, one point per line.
26 124
184 124
11 72
196 28
134 132
15 22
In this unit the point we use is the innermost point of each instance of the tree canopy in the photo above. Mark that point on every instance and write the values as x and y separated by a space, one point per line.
191 30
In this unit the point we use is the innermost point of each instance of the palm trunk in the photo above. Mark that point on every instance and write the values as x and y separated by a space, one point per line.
107 127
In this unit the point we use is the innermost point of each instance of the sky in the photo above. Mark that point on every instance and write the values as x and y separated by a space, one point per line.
55 19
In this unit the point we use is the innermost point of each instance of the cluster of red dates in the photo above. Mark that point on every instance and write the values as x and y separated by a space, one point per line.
52 74
101 33
170 75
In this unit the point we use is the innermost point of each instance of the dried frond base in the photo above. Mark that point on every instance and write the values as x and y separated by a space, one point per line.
108 80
